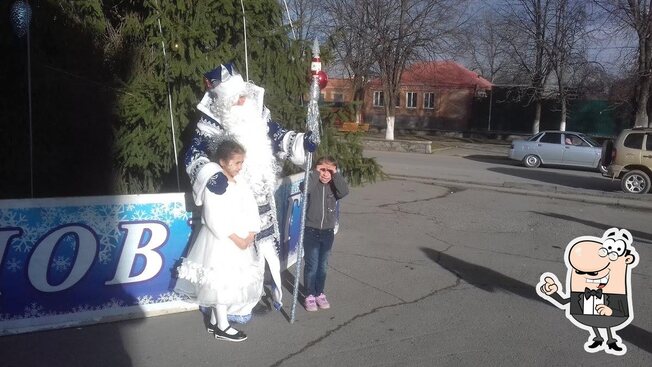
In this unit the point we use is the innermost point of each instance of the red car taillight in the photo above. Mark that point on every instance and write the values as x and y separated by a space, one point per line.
613 154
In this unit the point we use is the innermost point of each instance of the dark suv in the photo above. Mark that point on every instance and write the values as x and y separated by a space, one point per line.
629 158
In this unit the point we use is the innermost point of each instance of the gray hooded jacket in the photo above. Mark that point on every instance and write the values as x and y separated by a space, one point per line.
322 200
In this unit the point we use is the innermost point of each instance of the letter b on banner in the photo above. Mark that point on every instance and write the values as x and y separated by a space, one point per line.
37 270
132 248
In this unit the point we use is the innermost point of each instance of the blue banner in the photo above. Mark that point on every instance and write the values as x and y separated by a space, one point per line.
97 256
73 261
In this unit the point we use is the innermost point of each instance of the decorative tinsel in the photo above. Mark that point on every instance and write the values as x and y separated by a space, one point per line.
20 15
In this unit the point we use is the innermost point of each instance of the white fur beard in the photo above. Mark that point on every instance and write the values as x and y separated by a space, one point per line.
246 125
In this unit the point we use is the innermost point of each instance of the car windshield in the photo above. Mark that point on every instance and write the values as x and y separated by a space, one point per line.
590 140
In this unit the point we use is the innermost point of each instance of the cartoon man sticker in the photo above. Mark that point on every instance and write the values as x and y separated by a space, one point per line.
599 280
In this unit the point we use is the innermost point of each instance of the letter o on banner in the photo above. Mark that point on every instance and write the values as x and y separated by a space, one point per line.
40 260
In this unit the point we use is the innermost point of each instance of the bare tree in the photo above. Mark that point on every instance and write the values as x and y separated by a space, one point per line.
568 32
304 15
527 23
352 50
485 46
391 34
637 15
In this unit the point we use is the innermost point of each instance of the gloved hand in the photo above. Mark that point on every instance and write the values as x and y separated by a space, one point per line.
308 142
217 184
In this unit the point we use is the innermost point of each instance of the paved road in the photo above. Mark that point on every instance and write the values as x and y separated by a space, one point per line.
422 274
488 165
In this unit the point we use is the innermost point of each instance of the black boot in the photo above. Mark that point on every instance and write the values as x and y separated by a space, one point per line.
596 343
614 346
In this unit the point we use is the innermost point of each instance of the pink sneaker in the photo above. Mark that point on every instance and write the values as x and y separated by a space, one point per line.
310 304
322 302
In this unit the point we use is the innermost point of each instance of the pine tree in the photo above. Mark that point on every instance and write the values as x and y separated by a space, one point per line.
127 40
347 149
199 35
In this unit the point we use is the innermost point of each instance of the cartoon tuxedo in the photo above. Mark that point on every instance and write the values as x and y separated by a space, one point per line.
599 281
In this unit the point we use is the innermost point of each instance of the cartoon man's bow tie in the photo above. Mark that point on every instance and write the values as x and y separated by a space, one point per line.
588 293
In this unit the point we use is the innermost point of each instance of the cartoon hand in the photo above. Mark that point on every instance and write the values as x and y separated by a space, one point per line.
603 310
549 287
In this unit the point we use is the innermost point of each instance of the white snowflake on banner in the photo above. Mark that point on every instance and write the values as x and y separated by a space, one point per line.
145 300
12 218
179 210
104 256
34 310
113 303
167 297
89 215
83 308
61 263
13 265
49 216
168 213
139 215
6 316
23 243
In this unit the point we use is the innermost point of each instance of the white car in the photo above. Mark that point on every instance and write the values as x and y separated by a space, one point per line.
561 148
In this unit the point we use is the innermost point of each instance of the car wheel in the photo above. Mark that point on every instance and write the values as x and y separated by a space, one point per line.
635 182
602 168
531 161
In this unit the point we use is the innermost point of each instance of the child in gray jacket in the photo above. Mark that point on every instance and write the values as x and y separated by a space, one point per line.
325 187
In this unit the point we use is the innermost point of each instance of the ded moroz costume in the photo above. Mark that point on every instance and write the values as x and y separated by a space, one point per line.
233 109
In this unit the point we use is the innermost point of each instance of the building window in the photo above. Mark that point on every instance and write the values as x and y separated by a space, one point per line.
338 97
411 99
379 100
429 101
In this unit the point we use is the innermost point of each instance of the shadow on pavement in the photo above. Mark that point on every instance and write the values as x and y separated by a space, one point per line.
94 345
491 281
481 277
494 159
96 341
596 182
638 236
288 283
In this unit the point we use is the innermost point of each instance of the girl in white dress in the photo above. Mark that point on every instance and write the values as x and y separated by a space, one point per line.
223 267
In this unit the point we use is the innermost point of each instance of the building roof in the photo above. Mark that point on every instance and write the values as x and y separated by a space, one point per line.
338 83
447 74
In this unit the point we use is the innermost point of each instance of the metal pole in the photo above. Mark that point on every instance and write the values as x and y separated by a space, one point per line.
491 98
29 104
167 83
244 26
312 124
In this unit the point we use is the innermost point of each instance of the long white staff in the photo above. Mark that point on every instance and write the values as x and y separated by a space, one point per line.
312 124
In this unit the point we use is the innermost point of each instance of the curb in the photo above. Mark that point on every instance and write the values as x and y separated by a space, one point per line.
552 192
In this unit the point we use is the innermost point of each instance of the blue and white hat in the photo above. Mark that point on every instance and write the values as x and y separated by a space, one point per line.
225 80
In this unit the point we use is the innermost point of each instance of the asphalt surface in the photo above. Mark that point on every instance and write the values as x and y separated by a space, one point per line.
486 166
423 273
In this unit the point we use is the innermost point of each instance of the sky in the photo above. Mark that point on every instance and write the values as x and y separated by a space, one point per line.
611 48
